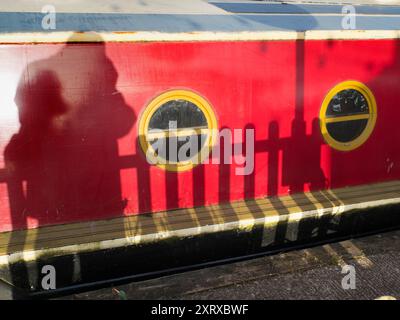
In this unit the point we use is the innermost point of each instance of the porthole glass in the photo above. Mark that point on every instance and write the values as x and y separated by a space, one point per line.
176 130
348 115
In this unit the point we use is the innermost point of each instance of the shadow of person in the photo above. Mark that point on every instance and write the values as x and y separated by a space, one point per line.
63 163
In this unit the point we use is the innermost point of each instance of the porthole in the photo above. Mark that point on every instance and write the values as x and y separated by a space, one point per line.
177 129
348 115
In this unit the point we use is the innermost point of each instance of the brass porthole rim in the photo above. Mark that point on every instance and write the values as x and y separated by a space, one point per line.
363 137
174 94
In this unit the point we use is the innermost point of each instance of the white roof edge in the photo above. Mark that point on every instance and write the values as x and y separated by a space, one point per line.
114 6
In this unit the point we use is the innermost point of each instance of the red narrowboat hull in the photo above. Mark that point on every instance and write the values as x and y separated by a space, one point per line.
70 112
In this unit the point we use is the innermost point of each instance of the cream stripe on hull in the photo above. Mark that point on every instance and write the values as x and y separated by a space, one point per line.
70 37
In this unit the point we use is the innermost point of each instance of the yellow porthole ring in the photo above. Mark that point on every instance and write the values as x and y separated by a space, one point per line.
370 116
199 102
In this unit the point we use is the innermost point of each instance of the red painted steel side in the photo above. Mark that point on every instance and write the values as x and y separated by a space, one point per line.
69 115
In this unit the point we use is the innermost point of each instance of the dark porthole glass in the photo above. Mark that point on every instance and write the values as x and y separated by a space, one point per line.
182 121
346 131
185 113
347 103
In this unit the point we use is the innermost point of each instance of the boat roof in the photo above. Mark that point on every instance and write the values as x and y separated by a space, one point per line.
21 20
